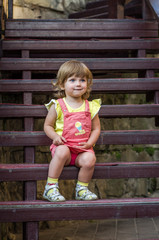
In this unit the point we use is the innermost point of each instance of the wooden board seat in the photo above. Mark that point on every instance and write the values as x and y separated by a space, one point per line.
85 45
80 29
107 170
107 85
30 211
122 137
106 111
97 64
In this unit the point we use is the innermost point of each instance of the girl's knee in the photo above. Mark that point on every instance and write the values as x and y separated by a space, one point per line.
62 152
88 160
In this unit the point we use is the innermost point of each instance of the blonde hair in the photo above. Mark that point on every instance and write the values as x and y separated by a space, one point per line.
69 69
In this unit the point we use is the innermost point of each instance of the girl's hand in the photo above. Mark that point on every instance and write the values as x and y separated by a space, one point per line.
84 145
59 140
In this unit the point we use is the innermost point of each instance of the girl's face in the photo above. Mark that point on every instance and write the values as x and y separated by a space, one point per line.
75 86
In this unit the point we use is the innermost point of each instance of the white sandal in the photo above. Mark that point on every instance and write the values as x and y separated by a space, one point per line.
54 196
86 195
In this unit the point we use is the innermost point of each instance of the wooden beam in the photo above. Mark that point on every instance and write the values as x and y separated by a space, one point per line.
81 34
106 137
118 85
78 210
81 24
106 111
85 45
10 9
115 170
100 64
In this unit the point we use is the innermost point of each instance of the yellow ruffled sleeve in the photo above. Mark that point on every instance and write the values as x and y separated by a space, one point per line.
59 121
94 106
57 107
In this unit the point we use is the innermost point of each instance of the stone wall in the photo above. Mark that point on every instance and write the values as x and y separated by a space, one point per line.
51 9
45 9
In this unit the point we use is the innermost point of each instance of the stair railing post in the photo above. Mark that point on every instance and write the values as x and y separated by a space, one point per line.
113 9
147 13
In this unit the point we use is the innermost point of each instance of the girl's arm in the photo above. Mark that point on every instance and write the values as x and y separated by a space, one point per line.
95 132
49 127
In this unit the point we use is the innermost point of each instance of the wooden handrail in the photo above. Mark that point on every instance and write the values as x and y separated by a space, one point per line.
154 5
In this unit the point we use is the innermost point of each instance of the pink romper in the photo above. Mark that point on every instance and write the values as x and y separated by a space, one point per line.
76 129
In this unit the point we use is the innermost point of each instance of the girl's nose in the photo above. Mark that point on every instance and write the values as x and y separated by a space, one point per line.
78 83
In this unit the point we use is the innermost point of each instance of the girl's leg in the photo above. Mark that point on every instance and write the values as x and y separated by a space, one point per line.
61 158
86 162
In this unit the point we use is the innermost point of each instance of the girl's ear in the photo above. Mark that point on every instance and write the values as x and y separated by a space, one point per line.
62 87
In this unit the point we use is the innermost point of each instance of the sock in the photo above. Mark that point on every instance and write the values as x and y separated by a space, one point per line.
51 181
82 184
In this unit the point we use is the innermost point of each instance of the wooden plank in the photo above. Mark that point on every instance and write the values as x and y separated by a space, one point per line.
29 187
97 4
144 110
80 45
10 9
76 210
89 12
98 16
99 85
113 9
116 170
133 9
106 111
81 24
31 231
79 34
129 137
101 64
106 137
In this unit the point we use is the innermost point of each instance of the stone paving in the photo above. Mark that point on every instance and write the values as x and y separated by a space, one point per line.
118 229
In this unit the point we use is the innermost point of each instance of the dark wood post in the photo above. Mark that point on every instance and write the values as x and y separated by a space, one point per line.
10 9
147 13
113 9
154 7
30 229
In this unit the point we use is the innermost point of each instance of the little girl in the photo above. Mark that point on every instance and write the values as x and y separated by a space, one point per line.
74 127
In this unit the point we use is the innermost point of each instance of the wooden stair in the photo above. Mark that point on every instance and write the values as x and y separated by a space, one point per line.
33 50
101 9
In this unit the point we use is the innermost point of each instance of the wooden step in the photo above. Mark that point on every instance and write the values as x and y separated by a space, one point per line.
102 64
112 170
96 4
91 13
106 111
97 10
30 211
122 85
78 29
133 9
122 137
85 45
82 24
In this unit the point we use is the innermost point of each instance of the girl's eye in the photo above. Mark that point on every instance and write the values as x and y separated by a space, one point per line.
72 80
83 80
